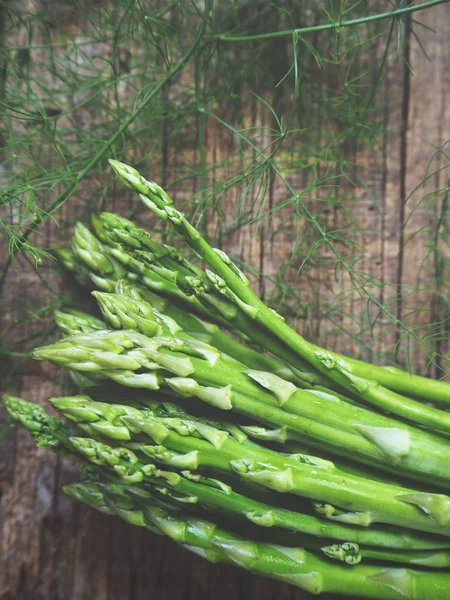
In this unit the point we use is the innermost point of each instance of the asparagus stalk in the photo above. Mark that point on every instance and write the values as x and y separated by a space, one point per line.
287 443
292 565
353 554
229 280
349 466
435 560
189 368
192 444
122 312
72 322
400 381
87 278
113 499
91 252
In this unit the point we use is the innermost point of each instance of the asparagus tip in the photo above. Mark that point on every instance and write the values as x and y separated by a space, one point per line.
347 552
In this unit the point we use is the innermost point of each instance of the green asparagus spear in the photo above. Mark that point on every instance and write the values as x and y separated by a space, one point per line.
228 279
86 277
90 252
72 322
292 565
348 466
435 560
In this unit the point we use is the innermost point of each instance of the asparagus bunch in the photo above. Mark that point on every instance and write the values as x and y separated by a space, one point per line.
147 271
162 337
180 285
144 507
85 323
370 391
142 283
123 313
134 308
193 444
132 316
120 312
355 376
189 488
188 367
348 552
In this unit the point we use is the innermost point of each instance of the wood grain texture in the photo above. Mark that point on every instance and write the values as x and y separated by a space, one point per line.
52 548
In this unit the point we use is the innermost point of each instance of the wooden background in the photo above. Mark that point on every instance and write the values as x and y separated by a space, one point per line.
52 548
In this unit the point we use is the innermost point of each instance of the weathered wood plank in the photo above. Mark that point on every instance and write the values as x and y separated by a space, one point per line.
428 130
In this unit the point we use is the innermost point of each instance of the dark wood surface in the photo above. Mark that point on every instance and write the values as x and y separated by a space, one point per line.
52 548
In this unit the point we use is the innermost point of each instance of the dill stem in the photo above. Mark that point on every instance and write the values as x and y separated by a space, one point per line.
327 26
